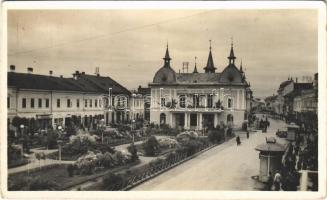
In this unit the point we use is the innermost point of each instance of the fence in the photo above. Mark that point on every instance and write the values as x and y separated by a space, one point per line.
153 169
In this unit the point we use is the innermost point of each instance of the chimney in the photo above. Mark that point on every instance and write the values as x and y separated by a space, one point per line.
97 71
50 72
83 73
30 70
61 76
12 68
296 80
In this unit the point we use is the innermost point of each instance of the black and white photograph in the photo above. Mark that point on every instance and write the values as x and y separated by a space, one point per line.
201 98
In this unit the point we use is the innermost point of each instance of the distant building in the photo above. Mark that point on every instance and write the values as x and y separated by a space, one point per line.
140 103
53 101
200 100
307 100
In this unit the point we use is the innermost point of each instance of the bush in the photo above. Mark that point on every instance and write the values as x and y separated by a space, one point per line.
113 181
216 135
133 151
70 170
37 184
51 139
151 146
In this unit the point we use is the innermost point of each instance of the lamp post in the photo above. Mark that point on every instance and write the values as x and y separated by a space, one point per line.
102 129
22 137
133 121
59 141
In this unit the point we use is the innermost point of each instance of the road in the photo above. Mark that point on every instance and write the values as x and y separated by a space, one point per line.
225 167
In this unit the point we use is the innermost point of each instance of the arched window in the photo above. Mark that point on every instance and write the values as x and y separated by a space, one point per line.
162 118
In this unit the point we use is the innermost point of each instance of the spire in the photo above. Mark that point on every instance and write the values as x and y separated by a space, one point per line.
210 68
231 56
195 69
167 58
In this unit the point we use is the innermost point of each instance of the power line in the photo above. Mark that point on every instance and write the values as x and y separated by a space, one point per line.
110 34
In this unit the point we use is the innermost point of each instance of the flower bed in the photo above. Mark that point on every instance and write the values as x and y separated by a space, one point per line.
136 176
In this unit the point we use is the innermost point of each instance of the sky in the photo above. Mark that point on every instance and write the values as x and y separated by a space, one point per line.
128 45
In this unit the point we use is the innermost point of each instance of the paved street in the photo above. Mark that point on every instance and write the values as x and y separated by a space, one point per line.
225 167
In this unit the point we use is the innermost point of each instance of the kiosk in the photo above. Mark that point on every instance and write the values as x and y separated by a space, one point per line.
270 157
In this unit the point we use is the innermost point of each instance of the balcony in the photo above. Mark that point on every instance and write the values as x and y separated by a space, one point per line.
169 106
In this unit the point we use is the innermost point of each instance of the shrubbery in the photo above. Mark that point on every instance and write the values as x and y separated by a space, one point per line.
216 135
90 162
113 181
151 146
133 151
31 184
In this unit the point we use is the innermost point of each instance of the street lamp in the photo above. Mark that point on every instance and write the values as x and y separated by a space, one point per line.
102 129
59 141
22 137
133 121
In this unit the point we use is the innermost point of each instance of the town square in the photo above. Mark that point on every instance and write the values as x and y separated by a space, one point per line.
162 100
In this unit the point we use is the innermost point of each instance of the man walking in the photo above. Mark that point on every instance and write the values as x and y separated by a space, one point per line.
247 134
238 140
277 181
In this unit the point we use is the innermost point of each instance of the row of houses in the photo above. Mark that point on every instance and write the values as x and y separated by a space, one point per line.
294 98
83 99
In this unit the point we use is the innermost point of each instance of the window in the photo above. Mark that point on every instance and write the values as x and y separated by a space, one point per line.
163 102
96 103
230 103
47 103
8 102
77 103
162 118
182 101
90 103
196 100
40 103
193 119
58 103
32 103
69 103
85 103
24 102
209 101
100 103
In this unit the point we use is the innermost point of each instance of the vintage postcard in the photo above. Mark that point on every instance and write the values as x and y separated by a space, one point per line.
163 100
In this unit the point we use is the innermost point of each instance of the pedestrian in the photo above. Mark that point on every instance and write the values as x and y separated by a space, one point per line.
269 182
277 180
247 134
238 140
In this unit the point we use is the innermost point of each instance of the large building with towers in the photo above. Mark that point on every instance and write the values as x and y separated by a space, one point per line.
199 100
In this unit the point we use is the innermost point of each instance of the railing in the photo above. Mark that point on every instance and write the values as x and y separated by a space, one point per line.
151 170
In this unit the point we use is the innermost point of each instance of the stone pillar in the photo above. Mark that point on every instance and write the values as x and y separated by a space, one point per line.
52 121
63 121
171 120
185 120
201 122
215 120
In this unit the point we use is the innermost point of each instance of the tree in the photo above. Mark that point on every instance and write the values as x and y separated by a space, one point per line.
151 146
133 151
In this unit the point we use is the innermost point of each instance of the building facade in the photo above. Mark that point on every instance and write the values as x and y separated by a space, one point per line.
56 101
200 100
